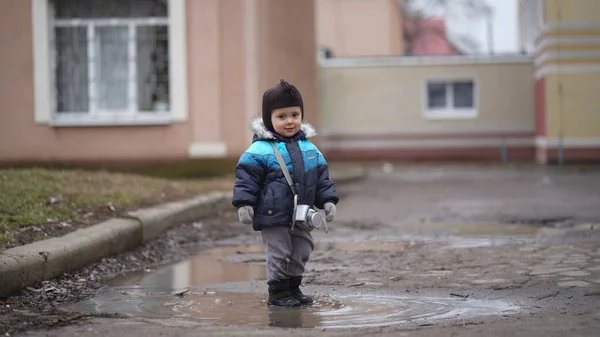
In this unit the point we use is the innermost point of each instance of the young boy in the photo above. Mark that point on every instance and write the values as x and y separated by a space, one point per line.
264 198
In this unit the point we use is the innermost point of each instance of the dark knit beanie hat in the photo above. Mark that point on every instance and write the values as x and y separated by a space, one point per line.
282 95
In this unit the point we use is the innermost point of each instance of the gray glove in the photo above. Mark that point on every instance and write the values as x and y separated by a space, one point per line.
246 214
329 208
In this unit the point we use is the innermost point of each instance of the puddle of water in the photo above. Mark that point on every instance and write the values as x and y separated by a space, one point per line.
357 311
137 293
224 264
227 264
200 270
150 294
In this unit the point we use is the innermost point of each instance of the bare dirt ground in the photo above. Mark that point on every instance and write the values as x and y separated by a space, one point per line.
521 242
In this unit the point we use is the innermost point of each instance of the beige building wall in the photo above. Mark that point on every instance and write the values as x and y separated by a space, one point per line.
390 99
234 48
381 107
353 28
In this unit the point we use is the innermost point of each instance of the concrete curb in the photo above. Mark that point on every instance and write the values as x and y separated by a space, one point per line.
30 264
154 221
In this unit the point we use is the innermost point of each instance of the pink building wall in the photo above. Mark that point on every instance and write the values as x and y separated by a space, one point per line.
354 28
235 49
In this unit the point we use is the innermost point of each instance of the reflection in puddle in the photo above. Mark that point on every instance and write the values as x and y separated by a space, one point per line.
327 312
227 264
200 270
150 294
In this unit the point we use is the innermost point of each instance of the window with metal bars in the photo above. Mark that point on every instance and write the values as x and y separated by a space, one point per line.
111 57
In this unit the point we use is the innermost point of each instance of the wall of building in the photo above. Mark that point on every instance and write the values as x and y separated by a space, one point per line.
235 50
352 28
567 60
24 140
287 50
571 11
377 109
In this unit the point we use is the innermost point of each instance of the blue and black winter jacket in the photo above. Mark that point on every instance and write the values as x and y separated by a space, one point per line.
261 184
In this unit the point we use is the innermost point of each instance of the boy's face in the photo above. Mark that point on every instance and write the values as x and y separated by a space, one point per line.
287 121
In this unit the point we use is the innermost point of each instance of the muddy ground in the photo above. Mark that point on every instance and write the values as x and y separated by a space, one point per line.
40 307
525 237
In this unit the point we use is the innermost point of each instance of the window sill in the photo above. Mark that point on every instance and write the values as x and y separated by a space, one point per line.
78 120
451 114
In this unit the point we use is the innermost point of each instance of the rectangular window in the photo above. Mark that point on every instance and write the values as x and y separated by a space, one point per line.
111 58
450 99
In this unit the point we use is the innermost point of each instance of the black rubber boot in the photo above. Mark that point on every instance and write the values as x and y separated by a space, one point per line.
279 294
295 282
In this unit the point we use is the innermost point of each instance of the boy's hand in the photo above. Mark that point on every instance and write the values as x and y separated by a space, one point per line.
329 208
246 214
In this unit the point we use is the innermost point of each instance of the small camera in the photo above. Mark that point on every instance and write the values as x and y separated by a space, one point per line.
307 218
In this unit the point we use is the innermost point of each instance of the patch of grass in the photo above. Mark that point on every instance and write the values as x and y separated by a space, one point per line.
54 201
176 169
192 168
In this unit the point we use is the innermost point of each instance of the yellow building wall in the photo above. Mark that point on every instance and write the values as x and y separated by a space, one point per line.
567 58
576 111
571 10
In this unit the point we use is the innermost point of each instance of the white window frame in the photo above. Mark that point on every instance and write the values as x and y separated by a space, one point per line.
45 91
450 112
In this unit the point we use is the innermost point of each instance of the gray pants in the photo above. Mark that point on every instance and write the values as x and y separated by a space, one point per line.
287 252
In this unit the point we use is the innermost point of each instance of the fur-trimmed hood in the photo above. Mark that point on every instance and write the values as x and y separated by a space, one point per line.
257 126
